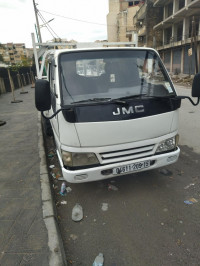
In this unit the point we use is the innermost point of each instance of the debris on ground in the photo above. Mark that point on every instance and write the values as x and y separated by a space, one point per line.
98 260
63 202
56 174
190 201
63 191
165 172
165 210
53 175
68 189
61 178
55 187
104 207
192 184
77 213
51 154
73 237
181 173
112 187
52 166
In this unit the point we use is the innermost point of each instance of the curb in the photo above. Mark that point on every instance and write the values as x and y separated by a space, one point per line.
57 254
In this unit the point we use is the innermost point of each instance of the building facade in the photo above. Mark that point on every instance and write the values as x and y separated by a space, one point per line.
179 42
144 21
120 26
170 26
15 53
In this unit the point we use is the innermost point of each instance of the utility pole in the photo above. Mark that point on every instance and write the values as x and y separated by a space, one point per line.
37 22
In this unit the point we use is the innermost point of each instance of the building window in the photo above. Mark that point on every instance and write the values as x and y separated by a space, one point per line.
170 9
180 31
181 3
130 3
168 35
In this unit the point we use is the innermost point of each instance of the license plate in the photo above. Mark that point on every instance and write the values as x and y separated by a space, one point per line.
131 167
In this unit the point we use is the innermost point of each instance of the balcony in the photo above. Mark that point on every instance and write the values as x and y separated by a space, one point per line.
141 13
176 41
159 3
191 9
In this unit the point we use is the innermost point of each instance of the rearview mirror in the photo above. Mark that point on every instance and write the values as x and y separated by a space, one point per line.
196 86
42 95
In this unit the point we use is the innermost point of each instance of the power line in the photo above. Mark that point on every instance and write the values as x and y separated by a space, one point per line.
44 22
84 21
49 28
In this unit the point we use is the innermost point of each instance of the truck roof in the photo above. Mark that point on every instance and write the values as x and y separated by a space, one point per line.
60 51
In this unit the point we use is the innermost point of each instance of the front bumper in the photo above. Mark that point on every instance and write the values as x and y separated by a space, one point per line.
94 174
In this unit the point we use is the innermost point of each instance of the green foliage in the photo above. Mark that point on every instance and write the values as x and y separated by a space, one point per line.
1 58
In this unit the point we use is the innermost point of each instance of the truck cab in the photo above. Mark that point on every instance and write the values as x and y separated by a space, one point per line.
113 111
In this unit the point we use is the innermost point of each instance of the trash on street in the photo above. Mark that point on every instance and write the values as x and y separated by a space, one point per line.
77 213
104 207
63 191
98 260
186 187
112 187
63 202
190 201
68 189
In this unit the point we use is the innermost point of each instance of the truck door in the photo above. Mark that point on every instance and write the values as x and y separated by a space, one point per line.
54 107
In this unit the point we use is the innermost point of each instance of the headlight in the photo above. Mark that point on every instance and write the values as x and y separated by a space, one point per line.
168 144
74 159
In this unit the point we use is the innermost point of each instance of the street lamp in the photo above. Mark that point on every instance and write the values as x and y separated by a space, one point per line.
44 25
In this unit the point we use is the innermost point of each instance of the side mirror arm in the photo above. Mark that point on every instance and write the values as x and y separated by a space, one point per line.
50 117
187 97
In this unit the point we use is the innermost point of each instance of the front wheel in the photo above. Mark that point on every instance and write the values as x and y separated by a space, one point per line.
46 126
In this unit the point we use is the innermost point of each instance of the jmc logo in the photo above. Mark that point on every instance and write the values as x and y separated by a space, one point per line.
129 110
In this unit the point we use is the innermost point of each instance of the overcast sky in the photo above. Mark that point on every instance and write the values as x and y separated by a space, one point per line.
17 20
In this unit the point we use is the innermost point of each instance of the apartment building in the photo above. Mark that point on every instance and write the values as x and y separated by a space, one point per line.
15 53
120 26
180 31
144 20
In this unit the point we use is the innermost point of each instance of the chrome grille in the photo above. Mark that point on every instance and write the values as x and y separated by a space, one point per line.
125 155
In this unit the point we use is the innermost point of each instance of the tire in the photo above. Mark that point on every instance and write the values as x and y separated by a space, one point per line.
47 129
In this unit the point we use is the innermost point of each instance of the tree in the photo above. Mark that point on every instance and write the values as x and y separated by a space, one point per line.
1 58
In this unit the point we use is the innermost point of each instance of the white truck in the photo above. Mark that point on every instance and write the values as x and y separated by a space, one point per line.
113 110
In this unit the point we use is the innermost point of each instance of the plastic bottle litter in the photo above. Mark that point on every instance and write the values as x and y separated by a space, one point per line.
112 187
190 201
77 213
98 260
63 191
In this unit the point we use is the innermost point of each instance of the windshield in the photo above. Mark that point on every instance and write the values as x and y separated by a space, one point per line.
112 74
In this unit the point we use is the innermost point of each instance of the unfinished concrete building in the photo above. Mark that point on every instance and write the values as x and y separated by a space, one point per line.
179 43
144 20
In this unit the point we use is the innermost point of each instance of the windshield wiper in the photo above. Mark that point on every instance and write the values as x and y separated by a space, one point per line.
93 100
129 97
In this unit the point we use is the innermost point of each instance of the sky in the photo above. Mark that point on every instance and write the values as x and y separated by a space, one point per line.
17 20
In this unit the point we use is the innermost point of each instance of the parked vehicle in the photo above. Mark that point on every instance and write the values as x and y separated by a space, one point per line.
113 111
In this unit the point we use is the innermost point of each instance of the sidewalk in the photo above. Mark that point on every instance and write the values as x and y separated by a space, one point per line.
28 232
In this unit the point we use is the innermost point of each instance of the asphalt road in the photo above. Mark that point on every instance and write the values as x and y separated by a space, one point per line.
144 222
